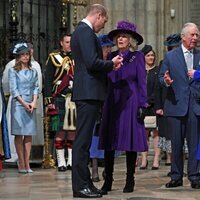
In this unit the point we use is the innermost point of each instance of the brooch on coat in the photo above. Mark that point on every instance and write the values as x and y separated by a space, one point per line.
131 59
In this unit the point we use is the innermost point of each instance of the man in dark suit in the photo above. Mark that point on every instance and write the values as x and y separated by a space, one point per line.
89 90
182 105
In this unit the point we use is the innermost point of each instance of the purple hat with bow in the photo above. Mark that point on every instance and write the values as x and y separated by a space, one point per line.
126 27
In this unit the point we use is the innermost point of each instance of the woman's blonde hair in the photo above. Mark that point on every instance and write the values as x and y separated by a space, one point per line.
133 43
18 63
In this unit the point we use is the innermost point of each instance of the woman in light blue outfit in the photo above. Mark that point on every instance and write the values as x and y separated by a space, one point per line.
23 82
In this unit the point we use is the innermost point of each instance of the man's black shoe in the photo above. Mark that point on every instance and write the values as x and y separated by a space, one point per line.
174 183
195 184
62 169
86 193
102 192
69 167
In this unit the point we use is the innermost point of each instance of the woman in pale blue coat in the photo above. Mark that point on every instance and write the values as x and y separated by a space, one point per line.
23 82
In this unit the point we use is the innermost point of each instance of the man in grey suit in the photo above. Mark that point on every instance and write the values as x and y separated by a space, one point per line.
182 105
89 90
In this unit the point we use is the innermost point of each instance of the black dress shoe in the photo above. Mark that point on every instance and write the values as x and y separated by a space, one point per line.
62 169
195 184
174 183
69 167
86 193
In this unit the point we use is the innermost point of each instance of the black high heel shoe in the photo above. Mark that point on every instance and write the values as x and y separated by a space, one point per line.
167 164
95 179
144 167
156 168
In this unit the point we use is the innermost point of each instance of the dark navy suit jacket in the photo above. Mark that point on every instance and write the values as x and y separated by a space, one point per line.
90 75
182 89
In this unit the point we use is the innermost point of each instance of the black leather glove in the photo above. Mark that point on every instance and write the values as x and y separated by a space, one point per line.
141 114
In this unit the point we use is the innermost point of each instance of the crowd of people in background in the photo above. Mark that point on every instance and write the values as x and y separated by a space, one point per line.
97 100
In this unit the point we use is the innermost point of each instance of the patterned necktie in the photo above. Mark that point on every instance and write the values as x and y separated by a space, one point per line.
189 60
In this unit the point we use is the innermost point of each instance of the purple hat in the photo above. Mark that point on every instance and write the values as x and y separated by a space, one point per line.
126 27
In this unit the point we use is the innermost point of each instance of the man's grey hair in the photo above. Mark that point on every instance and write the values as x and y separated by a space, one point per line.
187 26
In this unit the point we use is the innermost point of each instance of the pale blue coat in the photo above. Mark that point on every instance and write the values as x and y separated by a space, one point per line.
23 83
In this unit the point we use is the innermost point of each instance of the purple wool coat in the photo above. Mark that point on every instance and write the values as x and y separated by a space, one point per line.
127 91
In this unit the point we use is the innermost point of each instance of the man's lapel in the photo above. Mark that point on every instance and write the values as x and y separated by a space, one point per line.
181 58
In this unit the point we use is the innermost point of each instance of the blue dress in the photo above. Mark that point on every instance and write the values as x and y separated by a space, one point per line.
95 152
23 83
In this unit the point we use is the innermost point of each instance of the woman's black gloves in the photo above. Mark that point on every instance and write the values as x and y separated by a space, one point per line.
141 114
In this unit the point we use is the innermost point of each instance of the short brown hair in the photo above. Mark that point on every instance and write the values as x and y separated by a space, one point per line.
96 8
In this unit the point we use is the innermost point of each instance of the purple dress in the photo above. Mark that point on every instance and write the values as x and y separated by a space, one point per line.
127 91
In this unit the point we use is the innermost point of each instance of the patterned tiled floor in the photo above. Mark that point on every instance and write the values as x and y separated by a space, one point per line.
48 184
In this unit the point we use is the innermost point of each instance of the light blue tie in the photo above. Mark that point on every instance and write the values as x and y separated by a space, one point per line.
189 60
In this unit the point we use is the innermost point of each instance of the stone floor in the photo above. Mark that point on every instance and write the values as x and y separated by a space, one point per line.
48 184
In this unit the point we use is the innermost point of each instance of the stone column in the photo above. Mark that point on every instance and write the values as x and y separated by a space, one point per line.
160 31
110 24
139 17
150 23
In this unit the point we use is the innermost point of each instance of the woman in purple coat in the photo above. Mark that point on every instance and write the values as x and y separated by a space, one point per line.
122 126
